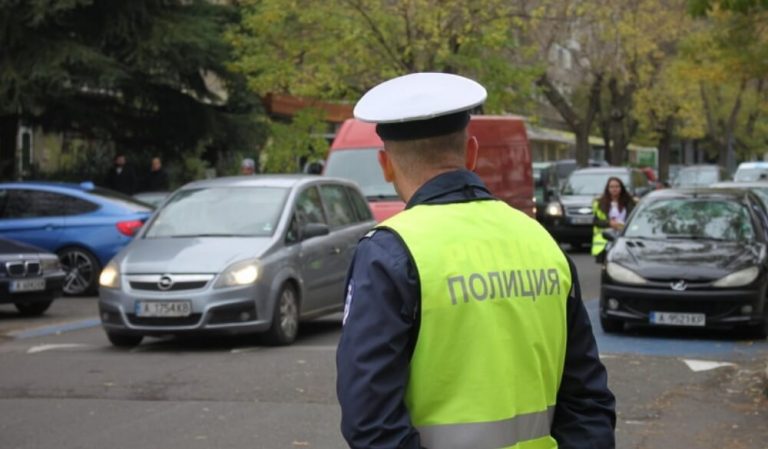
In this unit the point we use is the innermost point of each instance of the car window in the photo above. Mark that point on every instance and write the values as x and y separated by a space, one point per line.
309 207
220 212
693 219
26 203
338 206
361 166
360 205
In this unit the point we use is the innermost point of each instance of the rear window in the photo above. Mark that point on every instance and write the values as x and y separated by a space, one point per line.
125 201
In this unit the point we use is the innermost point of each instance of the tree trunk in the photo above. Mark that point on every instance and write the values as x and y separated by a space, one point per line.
581 127
9 127
664 146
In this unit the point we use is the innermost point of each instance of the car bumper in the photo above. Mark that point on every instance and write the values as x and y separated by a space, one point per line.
722 308
226 311
53 286
565 232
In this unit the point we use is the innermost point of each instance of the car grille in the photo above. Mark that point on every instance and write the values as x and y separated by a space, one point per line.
710 308
163 321
19 268
155 287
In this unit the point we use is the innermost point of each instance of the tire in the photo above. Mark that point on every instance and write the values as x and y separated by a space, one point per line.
82 271
611 326
33 308
124 340
285 319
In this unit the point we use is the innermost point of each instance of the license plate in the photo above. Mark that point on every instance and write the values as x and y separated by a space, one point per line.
27 285
163 308
581 220
678 319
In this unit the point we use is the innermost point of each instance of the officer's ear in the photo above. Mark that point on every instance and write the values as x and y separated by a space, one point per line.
471 154
386 166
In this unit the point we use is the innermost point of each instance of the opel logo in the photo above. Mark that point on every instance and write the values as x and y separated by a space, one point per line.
165 283
678 286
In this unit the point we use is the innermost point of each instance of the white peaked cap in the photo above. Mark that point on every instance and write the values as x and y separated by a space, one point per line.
419 96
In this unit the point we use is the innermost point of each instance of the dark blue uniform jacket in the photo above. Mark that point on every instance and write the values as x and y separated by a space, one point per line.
381 323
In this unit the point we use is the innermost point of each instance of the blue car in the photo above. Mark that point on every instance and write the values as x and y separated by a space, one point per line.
83 224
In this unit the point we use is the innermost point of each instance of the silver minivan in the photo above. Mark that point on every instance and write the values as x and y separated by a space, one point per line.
243 254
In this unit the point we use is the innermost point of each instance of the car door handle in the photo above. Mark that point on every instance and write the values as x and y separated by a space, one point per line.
335 250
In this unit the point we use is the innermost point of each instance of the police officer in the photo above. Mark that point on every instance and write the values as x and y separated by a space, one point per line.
463 324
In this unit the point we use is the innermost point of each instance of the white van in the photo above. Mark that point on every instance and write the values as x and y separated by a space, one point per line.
751 171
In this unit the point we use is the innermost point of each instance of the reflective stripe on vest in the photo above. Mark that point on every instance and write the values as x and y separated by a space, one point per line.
598 241
491 346
488 435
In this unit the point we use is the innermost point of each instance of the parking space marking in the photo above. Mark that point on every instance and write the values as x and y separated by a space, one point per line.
705 365
55 329
54 347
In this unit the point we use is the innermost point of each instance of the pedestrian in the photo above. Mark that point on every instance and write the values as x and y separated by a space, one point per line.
121 176
610 211
463 323
247 167
157 178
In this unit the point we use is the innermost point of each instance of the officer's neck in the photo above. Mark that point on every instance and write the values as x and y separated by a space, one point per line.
407 186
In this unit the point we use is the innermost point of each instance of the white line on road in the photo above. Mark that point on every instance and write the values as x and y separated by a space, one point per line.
53 347
704 365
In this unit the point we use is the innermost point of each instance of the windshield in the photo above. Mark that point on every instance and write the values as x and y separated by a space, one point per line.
694 219
362 167
220 212
696 177
751 174
592 184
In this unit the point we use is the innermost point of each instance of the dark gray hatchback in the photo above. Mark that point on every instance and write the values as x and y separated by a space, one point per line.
234 255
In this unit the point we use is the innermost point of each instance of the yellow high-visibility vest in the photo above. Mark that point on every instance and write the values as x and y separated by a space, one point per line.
598 241
490 352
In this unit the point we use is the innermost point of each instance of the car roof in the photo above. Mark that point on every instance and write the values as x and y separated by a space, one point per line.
741 185
603 170
85 186
277 180
754 164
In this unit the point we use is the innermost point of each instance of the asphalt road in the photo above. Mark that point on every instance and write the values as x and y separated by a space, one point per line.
63 386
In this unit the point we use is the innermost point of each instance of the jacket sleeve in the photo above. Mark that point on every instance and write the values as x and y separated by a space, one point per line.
585 415
376 345
600 223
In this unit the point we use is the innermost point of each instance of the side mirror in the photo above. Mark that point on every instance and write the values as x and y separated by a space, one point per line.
310 230
610 235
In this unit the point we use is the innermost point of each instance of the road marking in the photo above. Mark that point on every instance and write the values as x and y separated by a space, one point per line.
43 348
55 329
705 365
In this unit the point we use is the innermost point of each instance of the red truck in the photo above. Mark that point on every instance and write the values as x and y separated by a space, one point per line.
503 163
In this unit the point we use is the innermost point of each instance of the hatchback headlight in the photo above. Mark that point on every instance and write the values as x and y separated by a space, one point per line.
739 278
241 273
624 275
554 209
110 276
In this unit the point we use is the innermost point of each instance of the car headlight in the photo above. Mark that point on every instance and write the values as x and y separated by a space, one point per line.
110 276
554 209
50 264
241 273
624 275
739 278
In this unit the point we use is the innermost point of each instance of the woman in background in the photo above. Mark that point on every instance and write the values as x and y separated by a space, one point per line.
610 211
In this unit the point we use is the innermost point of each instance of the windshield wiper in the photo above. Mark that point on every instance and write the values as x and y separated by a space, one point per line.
695 237
382 197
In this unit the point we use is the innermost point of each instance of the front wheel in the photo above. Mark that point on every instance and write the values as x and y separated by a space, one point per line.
82 271
285 319
611 326
124 340
33 308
